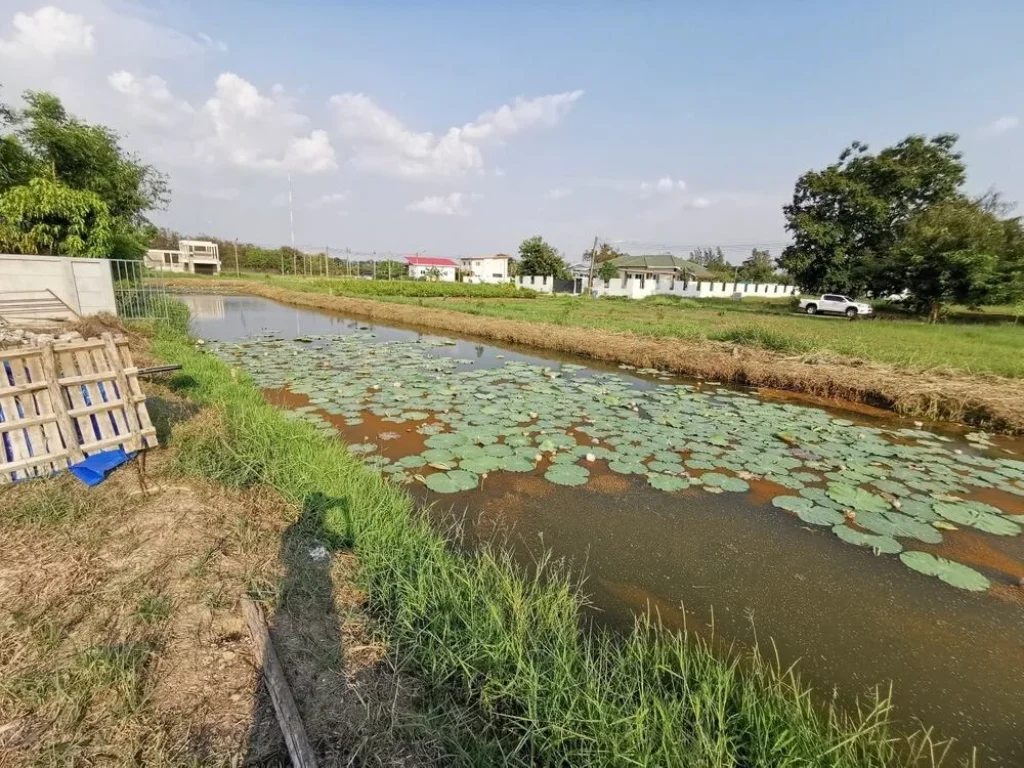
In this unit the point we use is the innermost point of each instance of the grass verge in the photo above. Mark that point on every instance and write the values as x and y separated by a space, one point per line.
504 650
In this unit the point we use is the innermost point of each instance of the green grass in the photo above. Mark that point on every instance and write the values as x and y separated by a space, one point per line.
970 348
511 671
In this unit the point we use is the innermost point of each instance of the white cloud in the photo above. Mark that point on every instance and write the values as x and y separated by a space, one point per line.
666 184
453 204
47 34
1002 125
212 44
237 126
329 200
385 145
640 188
558 193
508 120
700 202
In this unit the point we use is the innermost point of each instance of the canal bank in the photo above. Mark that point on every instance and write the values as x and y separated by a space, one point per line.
854 619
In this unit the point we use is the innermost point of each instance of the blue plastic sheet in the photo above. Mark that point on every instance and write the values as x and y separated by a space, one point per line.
94 470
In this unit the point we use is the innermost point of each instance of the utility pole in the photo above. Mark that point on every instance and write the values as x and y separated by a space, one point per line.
374 265
593 258
237 273
291 223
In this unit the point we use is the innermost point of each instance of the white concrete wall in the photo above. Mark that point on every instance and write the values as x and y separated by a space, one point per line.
418 271
634 288
538 283
85 285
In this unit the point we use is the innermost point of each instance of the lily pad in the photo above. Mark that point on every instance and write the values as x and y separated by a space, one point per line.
882 544
451 482
667 482
857 499
954 574
567 474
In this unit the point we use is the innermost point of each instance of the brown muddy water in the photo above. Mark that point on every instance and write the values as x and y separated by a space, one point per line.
733 564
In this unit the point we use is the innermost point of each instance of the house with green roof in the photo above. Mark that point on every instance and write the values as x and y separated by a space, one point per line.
657 265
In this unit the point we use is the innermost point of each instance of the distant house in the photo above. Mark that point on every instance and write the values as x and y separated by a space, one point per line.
423 268
486 269
658 268
200 257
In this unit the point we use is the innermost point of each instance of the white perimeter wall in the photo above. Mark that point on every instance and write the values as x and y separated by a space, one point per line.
85 285
693 289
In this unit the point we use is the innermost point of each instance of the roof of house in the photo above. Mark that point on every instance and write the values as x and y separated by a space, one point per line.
662 261
429 261
481 258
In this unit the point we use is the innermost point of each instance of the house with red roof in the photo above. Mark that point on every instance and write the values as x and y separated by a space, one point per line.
432 268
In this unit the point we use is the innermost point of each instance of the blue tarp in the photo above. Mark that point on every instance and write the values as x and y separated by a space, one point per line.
94 470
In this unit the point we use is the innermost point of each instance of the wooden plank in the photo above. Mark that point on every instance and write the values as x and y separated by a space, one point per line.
31 462
103 407
59 400
34 421
102 422
16 439
109 390
46 410
34 435
288 718
131 413
21 388
110 442
78 346
86 429
69 380
132 372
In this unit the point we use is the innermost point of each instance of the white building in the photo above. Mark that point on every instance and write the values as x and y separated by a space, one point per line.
432 268
486 269
200 257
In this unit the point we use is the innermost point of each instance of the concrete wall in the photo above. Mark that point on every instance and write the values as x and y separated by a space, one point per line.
85 285
634 288
538 283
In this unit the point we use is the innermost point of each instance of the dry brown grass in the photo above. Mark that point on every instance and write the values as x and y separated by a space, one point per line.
122 643
994 402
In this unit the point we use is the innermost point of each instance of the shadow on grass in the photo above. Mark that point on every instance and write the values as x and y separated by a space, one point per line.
306 631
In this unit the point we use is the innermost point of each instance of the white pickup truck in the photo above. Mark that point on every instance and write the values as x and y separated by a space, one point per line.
835 304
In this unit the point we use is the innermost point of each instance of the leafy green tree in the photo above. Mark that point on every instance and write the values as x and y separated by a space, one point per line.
607 271
45 216
536 257
847 219
758 267
44 141
951 253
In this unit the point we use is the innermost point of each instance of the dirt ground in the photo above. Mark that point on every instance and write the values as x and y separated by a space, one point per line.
122 640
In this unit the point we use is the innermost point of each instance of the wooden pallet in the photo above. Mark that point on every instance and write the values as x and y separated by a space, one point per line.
60 403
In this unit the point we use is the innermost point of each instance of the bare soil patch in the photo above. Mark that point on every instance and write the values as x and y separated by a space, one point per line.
122 641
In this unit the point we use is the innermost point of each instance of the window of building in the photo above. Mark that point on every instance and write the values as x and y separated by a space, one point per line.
496 274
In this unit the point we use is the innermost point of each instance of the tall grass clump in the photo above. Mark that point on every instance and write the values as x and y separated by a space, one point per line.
507 648
763 337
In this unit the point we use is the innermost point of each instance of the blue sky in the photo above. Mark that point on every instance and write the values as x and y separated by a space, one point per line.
654 123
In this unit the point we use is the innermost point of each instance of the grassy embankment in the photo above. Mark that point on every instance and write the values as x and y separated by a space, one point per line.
121 638
722 345
504 649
